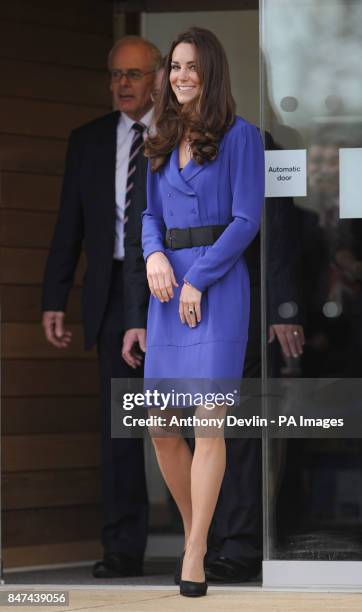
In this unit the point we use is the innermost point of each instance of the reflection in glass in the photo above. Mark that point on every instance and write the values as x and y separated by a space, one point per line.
312 73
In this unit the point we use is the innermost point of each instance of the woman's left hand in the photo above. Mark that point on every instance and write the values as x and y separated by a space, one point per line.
190 305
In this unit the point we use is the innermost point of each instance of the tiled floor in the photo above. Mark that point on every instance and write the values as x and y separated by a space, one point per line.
145 600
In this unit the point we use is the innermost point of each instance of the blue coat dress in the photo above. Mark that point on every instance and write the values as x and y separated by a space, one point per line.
228 190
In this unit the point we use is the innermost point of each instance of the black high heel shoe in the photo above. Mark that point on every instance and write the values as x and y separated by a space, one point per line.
179 568
189 588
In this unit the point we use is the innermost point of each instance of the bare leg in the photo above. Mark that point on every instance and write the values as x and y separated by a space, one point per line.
174 459
194 482
207 471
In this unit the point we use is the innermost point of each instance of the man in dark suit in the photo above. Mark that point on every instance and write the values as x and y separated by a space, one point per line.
102 200
235 547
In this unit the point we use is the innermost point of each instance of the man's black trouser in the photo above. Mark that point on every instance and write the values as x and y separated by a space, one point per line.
236 529
124 490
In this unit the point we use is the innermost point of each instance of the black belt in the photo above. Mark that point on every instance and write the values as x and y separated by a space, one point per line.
188 237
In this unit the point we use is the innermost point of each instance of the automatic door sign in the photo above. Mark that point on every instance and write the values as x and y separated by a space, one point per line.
286 173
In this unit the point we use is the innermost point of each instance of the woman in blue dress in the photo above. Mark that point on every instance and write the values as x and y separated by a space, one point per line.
205 191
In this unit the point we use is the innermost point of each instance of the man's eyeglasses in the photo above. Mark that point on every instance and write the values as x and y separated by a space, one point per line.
132 74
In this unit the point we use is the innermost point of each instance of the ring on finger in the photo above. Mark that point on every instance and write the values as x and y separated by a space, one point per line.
191 311
295 333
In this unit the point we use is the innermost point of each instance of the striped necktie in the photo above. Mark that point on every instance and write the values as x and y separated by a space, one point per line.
136 146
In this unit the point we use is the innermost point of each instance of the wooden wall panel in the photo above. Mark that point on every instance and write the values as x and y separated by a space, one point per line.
30 191
50 451
54 78
63 552
161 6
87 15
39 378
22 266
27 341
55 83
22 303
51 525
26 229
49 488
42 44
45 119
26 266
25 154
50 414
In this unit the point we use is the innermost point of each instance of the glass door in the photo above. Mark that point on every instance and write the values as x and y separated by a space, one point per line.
311 76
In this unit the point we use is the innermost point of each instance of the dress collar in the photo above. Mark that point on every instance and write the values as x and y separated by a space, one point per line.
180 180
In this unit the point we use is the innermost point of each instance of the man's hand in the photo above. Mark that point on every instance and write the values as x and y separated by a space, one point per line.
291 338
53 325
129 349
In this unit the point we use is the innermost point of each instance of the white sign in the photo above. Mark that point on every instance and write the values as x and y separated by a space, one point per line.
285 173
350 172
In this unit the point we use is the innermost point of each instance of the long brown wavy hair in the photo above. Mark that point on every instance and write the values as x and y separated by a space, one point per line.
205 120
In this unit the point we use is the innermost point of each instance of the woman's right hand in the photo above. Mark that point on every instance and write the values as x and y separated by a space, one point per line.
160 276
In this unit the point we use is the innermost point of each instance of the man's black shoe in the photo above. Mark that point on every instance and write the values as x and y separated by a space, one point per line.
117 566
230 570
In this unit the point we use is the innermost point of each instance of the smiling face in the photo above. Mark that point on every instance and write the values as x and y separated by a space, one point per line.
132 97
184 78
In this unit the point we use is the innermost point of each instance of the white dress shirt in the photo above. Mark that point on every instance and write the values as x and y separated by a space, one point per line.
125 135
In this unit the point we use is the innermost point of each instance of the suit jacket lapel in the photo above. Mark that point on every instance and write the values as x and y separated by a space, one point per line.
106 170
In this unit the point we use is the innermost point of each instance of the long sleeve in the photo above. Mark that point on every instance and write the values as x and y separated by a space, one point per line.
136 291
67 238
153 226
247 171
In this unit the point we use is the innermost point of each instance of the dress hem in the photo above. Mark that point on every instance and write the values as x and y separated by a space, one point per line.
195 344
